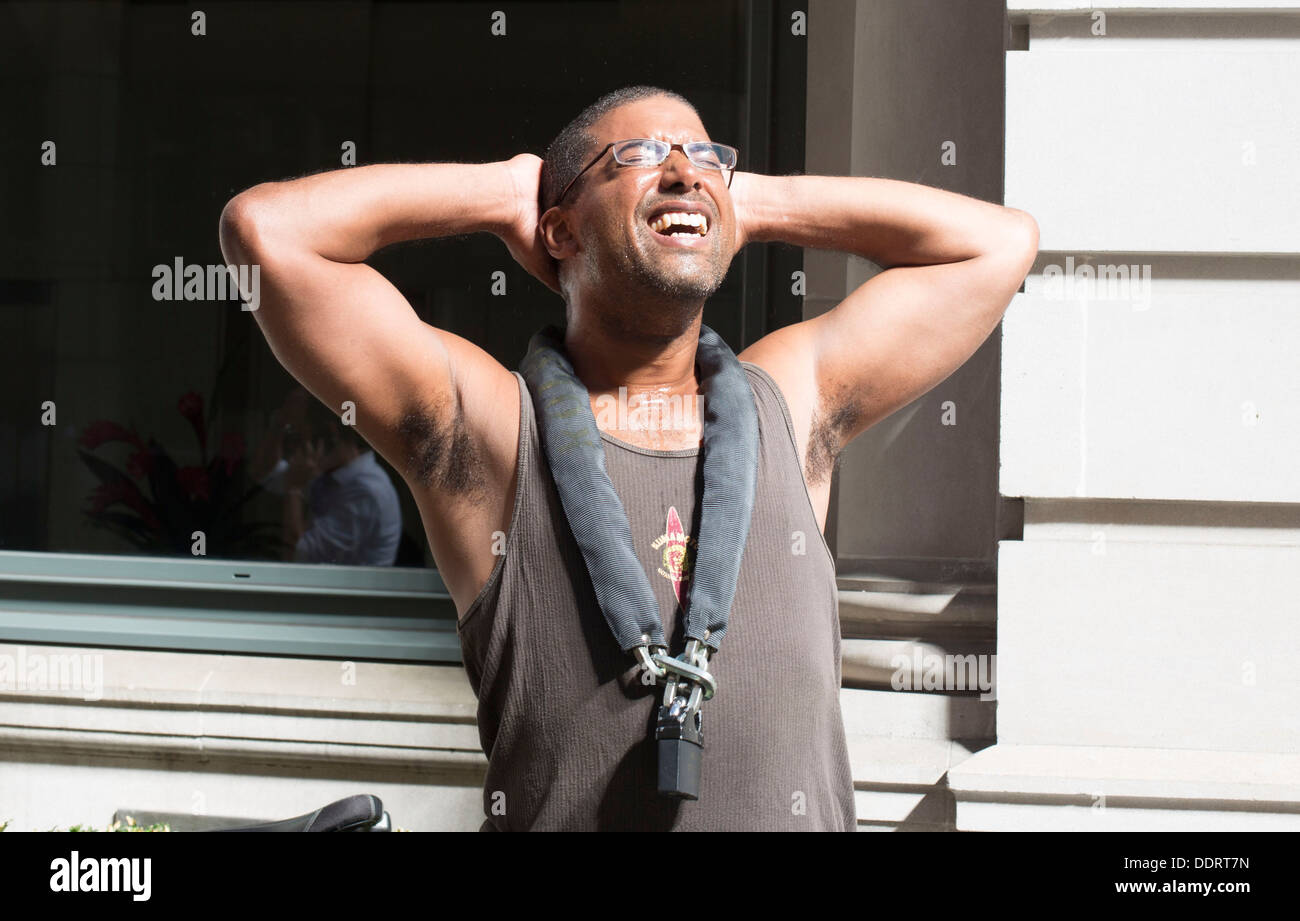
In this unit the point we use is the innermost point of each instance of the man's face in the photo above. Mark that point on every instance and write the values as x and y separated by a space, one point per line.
615 211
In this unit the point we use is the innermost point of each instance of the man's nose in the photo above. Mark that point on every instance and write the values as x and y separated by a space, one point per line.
679 170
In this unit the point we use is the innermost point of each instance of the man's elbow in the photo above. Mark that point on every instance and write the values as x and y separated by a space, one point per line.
1023 239
243 226
1011 258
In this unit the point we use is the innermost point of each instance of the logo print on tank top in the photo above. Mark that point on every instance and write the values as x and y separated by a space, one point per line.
676 554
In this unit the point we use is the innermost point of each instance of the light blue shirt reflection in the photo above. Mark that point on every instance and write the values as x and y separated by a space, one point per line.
356 517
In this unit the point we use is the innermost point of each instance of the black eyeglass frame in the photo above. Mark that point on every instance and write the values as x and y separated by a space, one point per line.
735 159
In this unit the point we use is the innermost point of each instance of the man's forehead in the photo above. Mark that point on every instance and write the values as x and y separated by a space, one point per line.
662 119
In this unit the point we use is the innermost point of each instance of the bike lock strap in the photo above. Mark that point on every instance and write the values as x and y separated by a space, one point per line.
569 436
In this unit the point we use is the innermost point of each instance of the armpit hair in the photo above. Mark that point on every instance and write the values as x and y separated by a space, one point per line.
439 451
826 439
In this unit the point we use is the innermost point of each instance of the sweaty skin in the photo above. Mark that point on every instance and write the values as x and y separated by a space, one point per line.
446 414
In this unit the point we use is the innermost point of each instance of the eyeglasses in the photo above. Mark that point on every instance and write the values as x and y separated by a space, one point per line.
647 152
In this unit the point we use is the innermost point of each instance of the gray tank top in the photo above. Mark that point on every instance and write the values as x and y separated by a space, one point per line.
563 717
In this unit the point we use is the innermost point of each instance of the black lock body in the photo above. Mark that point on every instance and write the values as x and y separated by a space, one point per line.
680 740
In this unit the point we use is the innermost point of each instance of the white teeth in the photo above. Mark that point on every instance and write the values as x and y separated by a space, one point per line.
681 218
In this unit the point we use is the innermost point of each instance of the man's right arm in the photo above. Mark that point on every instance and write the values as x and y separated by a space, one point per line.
441 410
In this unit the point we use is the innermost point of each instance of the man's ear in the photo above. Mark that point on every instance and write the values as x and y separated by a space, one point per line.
556 235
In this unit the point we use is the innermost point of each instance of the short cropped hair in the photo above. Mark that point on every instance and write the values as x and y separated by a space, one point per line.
568 153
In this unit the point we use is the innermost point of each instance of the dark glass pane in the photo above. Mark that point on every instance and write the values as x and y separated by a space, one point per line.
135 406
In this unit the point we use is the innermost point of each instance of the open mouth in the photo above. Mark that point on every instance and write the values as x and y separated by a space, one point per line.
680 224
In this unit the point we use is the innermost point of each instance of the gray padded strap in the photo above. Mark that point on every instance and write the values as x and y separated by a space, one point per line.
569 436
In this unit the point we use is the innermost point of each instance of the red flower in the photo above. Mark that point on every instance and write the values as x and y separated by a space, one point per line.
194 480
232 450
97 433
191 407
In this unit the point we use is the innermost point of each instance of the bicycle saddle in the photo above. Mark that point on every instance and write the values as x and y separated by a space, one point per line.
362 812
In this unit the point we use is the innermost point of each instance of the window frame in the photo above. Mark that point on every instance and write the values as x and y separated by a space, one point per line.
391 614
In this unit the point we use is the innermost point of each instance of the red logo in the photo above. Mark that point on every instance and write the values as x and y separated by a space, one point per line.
677 556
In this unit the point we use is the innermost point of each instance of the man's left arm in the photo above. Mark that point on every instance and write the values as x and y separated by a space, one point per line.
951 266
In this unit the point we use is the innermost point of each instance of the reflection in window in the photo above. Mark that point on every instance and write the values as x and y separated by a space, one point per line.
137 423
339 506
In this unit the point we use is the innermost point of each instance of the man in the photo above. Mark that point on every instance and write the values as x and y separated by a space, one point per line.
563 714
355 513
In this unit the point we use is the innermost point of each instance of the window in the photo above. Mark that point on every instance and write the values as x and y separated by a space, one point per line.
138 401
